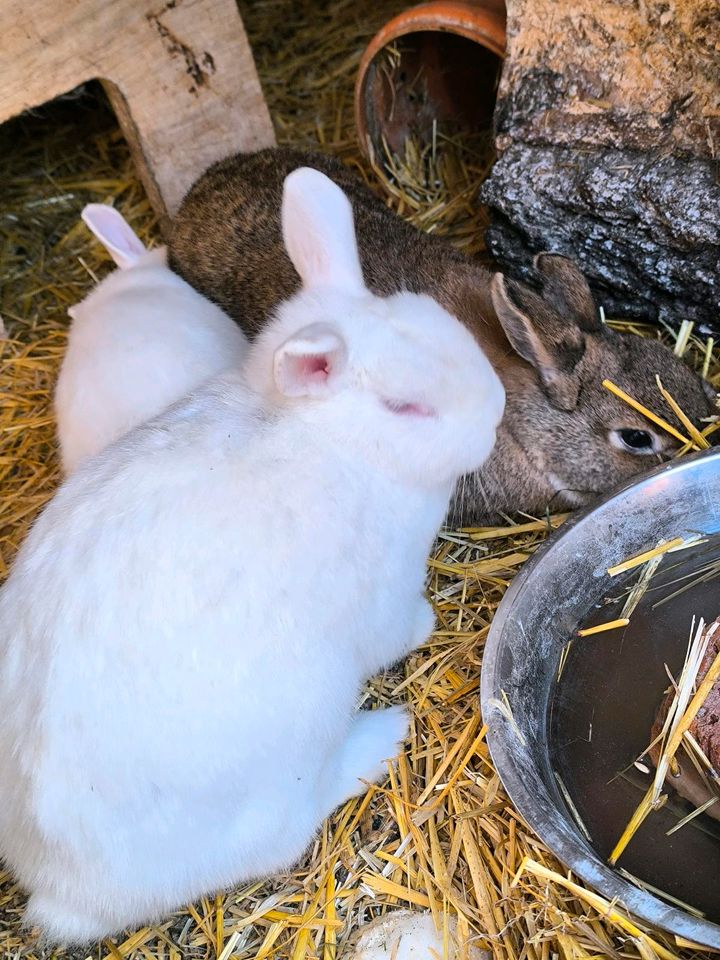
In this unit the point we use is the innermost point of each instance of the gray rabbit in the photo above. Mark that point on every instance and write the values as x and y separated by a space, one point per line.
564 439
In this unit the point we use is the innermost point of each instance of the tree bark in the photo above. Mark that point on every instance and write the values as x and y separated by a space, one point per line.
608 138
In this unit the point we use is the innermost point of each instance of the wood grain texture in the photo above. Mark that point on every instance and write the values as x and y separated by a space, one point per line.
179 73
608 136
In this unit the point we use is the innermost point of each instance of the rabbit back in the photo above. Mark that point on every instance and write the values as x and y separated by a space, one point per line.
142 340
227 234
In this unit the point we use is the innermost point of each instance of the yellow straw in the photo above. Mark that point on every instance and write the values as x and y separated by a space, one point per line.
602 627
638 818
609 385
695 435
644 557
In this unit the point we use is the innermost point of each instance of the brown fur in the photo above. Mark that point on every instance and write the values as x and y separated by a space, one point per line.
547 345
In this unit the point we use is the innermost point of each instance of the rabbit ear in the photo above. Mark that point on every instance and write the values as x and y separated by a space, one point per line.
318 232
309 363
114 233
553 345
565 286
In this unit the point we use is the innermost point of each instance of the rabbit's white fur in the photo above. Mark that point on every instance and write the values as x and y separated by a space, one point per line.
186 629
140 341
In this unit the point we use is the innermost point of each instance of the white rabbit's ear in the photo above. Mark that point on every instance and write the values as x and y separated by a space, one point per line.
114 233
309 363
319 233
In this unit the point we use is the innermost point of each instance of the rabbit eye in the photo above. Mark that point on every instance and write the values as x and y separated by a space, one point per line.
408 409
635 441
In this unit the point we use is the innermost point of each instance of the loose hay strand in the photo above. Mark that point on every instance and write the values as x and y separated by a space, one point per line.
691 816
683 338
700 441
641 587
604 627
653 417
642 812
647 555
644 885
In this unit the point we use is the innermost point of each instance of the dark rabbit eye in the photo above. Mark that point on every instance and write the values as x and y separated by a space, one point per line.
635 441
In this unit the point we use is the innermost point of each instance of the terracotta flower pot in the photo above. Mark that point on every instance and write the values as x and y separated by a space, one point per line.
436 63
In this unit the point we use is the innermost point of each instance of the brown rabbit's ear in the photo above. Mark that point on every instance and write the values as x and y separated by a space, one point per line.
565 288
552 344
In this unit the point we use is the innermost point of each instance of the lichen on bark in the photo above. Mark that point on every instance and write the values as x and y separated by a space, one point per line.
608 139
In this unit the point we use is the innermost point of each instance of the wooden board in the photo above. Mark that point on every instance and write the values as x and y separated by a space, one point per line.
179 74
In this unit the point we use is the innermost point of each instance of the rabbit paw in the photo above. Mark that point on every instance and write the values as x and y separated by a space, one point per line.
60 923
424 625
375 736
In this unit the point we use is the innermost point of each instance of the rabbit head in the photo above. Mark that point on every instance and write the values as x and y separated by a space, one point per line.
396 380
573 438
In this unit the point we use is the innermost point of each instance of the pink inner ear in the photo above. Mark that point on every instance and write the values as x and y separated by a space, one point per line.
313 368
306 372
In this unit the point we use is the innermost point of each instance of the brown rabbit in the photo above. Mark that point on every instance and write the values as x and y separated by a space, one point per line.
564 439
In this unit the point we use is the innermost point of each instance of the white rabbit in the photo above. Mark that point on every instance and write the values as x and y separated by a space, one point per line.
185 632
140 341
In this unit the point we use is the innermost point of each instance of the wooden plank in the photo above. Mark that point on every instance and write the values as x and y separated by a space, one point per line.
179 74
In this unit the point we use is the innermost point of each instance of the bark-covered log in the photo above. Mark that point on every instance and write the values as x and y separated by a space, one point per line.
608 137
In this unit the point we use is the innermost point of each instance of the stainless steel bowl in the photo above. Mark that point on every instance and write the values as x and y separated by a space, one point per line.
540 612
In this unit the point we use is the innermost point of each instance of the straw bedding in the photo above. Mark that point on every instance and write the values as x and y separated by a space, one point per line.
440 833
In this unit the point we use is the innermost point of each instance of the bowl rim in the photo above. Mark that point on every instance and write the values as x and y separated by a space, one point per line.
502 743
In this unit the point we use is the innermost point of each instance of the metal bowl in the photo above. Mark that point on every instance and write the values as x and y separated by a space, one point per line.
540 612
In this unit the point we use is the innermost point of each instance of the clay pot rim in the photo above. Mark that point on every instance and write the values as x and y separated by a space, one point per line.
477 21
